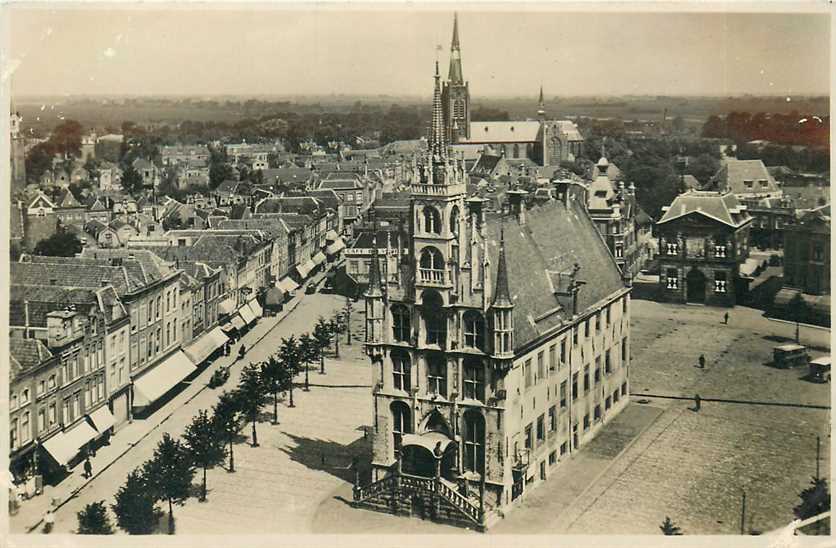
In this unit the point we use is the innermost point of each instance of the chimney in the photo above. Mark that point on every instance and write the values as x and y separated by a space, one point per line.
516 199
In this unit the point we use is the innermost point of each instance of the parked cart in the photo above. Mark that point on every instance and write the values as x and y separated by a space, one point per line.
820 369
790 355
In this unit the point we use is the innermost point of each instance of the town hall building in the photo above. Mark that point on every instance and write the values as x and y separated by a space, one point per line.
545 142
499 343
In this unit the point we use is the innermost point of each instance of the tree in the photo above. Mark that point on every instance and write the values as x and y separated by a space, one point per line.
93 520
205 448
308 354
278 378
227 418
290 357
60 244
797 309
669 528
815 500
338 326
169 474
132 181
347 315
134 508
322 335
218 173
252 394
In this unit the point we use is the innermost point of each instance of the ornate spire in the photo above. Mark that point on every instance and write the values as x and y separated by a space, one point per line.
374 270
455 75
502 295
438 135
541 104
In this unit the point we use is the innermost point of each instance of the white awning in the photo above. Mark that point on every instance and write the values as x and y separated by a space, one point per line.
237 322
227 306
303 269
246 314
165 376
331 236
336 247
65 445
207 343
102 419
256 308
319 258
287 285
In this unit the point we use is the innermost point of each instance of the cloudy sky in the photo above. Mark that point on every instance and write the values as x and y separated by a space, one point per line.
275 50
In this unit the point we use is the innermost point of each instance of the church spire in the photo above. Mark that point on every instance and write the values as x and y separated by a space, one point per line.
502 294
455 75
438 134
541 105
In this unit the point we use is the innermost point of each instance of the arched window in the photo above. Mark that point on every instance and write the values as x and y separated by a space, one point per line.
474 381
437 375
454 220
474 330
401 370
432 220
432 265
474 442
400 323
401 423
516 150
435 318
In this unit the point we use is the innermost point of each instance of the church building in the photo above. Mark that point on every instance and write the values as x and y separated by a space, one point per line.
545 142
499 344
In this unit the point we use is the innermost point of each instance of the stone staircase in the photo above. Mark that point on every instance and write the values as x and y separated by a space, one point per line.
430 498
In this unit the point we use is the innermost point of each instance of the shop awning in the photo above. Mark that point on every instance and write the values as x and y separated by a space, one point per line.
207 343
319 258
65 445
336 247
287 285
102 419
227 306
303 269
237 322
427 440
256 308
153 384
246 314
331 236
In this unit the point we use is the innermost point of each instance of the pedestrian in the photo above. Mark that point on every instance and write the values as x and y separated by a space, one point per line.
702 361
242 351
697 401
49 520
726 318
88 468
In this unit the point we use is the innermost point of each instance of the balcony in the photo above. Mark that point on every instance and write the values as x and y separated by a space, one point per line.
437 190
432 276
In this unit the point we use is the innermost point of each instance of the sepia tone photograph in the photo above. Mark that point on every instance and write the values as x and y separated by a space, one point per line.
417 269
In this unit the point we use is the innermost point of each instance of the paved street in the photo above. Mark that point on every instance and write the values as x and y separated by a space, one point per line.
656 459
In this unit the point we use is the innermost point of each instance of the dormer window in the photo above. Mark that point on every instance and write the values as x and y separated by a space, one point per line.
749 183
764 183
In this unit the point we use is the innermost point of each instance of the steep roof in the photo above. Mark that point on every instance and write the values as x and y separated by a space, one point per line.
722 207
486 163
25 354
734 174
504 132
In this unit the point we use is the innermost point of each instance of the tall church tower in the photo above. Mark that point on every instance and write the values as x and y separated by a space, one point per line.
18 155
455 95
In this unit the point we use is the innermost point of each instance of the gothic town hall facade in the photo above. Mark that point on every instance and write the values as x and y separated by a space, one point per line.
499 344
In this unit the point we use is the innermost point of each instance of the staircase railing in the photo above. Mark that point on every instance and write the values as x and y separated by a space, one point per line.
374 488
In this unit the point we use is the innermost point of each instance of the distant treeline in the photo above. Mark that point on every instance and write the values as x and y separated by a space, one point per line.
793 128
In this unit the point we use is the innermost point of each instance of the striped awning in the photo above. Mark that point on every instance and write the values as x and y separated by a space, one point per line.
287 285
152 385
207 343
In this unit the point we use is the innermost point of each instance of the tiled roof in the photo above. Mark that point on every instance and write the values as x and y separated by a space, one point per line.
228 185
74 273
540 254
144 265
486 163
340 184
734 173
722 207
272 226
25 354
305 205
504 132
68 200
569 129
43 299
286 174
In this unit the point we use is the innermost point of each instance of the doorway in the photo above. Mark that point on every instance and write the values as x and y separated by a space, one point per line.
696 286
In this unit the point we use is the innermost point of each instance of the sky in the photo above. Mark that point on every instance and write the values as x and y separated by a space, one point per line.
390 50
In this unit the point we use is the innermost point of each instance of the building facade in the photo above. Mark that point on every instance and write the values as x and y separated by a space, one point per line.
703 239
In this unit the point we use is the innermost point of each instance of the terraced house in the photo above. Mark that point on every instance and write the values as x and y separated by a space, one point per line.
500 344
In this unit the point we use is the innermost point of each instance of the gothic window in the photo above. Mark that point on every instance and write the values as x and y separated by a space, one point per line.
458 109
435 319
400 323
502 331
474 442
474 330
474 384
401 371
432 265
454 220
437 376
432 220
401 423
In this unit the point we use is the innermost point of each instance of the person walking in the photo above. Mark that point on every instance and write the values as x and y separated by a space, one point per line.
702 361
726 318
242 351
88 468
49 520
697 401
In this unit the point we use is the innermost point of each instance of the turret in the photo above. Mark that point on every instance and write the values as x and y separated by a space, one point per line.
502 318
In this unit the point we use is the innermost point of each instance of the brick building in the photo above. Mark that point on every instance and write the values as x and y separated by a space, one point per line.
703 239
